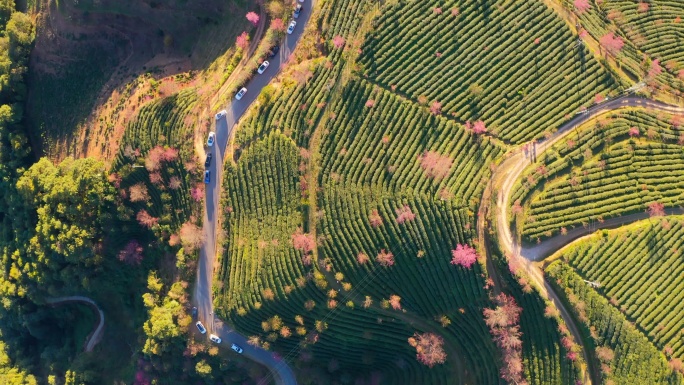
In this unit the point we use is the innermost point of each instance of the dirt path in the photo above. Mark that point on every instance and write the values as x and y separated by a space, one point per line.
96 335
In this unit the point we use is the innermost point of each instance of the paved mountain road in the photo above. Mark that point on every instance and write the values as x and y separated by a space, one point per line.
224 128
95 336
510 171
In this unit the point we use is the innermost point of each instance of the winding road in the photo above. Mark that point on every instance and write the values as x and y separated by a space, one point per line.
510 171
205 271
94 336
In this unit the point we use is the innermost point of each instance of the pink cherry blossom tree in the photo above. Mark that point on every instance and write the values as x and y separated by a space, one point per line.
463 255
395 302
634 131
436 108
435 165
385 258
253 18
375 218
338 41
479 127
242 41
404 214
612 43
278 25
655 69
429 348
303 241
655 209
582 6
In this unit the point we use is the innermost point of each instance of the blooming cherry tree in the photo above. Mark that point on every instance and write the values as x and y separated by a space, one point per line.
463 255
253 18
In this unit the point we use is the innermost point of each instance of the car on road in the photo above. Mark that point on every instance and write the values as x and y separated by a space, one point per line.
215 338
201 327
291 28
274 51
263 67
194 312
236 348
241 93
301 1
210 139
207 162
221 114
297 11
207 176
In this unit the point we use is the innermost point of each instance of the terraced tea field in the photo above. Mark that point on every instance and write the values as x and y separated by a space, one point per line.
275 293
616 167
516 66
653 28
634 359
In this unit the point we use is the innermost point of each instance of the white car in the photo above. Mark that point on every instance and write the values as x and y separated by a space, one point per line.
236 348
221 114
262 67
301 1
215 338
291 28
241 93
210 139
200 327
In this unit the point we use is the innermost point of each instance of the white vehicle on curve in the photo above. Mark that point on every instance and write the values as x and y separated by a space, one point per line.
291 28
241 93
263 66
215 338
221 114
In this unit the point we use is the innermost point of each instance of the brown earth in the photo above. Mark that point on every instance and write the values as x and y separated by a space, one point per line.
164 41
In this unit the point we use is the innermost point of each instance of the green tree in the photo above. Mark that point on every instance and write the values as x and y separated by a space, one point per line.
203 369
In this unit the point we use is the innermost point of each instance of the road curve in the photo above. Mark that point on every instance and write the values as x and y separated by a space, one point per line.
510 171
205 271
94 336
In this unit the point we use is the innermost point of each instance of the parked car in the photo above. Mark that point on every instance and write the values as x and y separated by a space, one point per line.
291 28
201 327
207 163
263 67
274 51
297 11
221 114
215 338
241 93
236 348
210 140
194 312
207 176
301 1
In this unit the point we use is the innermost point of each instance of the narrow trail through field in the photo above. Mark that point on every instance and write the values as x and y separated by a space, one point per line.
509 172
96 335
